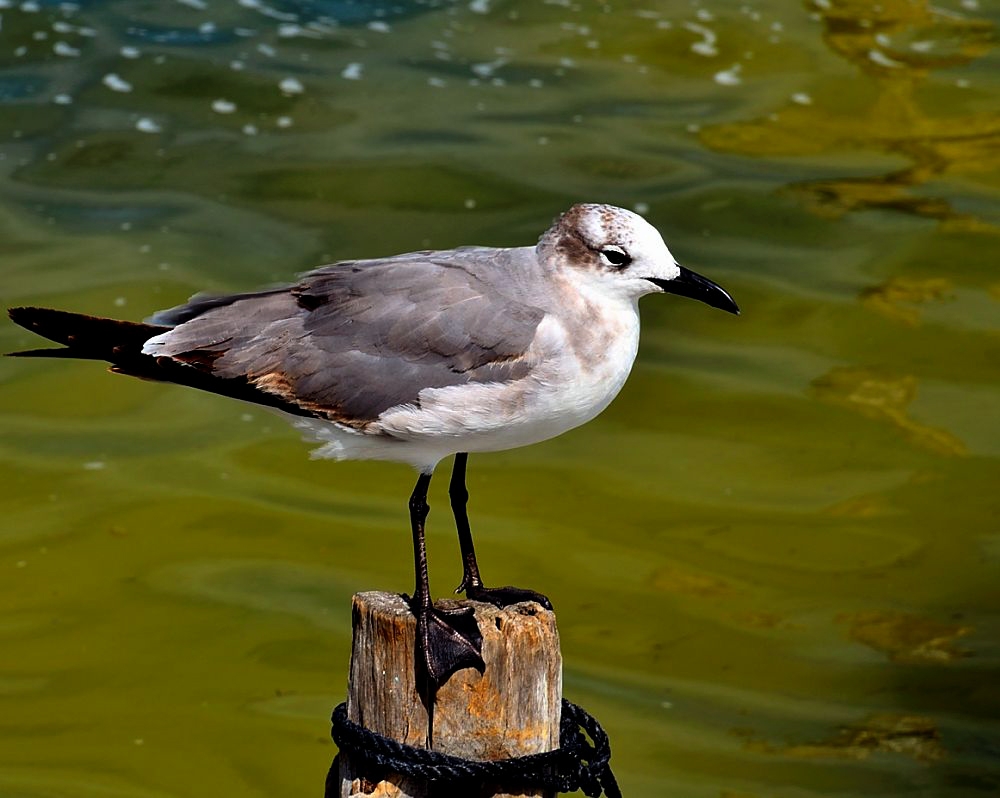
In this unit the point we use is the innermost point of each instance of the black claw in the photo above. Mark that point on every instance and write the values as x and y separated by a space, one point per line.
505 596
447 641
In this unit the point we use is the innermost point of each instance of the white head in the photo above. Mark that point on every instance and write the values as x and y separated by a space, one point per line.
624 252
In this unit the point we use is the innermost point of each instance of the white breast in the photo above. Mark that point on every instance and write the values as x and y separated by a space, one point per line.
579 369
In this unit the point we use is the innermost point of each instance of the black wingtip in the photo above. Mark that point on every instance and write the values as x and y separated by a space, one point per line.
20 315
35 318
28 317
63 352
90 337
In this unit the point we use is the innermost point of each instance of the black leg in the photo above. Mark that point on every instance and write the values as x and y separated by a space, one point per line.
447 640
459 496
472 583
418 515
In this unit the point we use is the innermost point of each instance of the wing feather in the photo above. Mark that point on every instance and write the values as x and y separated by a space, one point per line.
353 339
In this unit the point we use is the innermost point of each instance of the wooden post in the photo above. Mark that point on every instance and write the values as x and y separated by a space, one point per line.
511 710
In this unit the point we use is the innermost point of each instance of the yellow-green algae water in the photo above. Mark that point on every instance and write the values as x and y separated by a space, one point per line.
775 558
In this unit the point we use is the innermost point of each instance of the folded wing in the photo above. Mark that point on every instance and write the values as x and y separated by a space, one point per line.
351 340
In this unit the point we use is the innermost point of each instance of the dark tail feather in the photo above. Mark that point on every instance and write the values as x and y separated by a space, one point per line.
120 343
86 337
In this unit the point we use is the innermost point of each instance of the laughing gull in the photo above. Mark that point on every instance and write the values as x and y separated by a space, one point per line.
416 357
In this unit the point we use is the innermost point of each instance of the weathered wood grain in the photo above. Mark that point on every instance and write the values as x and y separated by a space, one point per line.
512 709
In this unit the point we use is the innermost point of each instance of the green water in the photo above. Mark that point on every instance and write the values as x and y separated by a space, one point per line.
775 558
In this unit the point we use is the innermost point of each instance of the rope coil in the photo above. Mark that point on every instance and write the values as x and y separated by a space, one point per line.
575 765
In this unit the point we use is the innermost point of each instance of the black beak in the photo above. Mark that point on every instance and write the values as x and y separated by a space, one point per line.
694 286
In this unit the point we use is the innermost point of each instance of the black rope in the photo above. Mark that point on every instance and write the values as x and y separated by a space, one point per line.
576 765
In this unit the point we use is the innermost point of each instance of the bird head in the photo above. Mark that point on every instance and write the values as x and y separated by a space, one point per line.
626 254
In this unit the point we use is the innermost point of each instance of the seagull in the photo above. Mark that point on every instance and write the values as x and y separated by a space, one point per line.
417 357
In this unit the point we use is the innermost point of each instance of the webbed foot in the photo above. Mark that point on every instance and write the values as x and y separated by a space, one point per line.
504 596
448 640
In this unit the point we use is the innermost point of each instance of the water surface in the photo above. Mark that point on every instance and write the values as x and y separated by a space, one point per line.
774 558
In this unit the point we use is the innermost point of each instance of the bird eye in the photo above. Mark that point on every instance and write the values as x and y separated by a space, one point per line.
615 256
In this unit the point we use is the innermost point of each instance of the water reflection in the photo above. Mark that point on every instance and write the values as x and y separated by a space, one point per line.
900 114
885 397
900 297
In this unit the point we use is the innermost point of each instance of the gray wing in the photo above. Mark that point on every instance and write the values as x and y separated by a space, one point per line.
353 339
